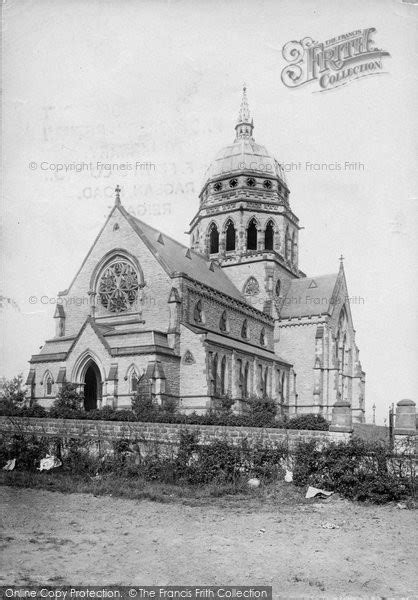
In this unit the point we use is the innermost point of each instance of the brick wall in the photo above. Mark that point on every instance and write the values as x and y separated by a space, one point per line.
159 432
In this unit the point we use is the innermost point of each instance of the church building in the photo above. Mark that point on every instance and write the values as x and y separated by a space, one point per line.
232 316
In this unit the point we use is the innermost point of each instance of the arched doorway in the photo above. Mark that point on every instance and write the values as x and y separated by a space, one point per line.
92 386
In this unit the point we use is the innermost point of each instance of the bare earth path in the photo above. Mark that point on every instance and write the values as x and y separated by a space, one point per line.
78 539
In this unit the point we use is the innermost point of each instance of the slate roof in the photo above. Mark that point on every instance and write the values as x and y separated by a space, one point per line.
178 259
309 296
224 340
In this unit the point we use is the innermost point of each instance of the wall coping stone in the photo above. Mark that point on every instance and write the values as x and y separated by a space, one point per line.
116 429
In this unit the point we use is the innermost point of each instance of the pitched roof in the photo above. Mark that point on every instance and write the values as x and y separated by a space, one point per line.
309 296
178 259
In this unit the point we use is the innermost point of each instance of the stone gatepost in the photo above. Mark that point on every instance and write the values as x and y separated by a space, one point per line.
341 417
405 438
405 420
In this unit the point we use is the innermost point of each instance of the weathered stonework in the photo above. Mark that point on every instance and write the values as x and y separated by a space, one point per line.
163 433
233 316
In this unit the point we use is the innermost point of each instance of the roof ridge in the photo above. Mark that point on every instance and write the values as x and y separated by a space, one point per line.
318 276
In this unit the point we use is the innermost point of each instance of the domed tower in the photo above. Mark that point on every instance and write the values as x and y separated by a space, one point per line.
244 221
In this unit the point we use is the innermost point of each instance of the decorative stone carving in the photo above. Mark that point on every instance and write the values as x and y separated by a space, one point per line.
118 287
252 287
188 358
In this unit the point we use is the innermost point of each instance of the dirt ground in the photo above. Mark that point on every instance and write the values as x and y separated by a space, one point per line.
53 538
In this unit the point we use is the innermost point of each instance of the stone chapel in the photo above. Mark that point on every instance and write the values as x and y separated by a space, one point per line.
230 316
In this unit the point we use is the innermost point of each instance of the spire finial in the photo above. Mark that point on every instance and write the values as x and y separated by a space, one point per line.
341 261
117 195
244 126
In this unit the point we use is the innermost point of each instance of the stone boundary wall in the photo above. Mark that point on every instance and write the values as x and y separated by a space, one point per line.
371 433
161 433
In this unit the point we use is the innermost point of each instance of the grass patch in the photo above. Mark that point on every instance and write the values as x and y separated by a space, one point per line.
227 494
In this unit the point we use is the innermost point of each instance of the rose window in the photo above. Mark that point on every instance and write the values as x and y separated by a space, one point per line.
118 287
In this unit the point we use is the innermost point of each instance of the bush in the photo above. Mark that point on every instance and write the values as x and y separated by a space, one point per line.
143 406
68 403
357 469
265 460
12 392
26 449
262 411
313 422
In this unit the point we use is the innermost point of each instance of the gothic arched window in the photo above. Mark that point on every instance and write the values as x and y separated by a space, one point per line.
245 382
118 286
252 235
265 382
278 287
283 387
261 380
287 244
213 239
293 248
223 323
263 337
198 312
215 374
269 236
244 329
48 385
223 375
230 236
61 327
134 382
240 377
343 353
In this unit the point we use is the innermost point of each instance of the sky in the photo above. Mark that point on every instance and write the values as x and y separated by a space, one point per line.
160 82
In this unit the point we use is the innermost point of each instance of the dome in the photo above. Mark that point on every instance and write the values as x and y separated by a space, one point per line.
244 155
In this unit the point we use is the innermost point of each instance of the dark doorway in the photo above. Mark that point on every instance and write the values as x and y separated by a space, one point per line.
92 387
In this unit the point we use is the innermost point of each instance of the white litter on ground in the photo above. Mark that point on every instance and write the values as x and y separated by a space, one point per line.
329 526
313 491
49 462
289 476
10 465
253 483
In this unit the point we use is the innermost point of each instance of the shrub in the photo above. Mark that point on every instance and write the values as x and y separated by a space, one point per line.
223 406
123 415
26 449
357 469
34 411
68 403
143 406
265 460
313 422
13 392
77 458
262 411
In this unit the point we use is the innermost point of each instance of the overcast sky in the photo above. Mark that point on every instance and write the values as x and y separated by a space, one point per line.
160 82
